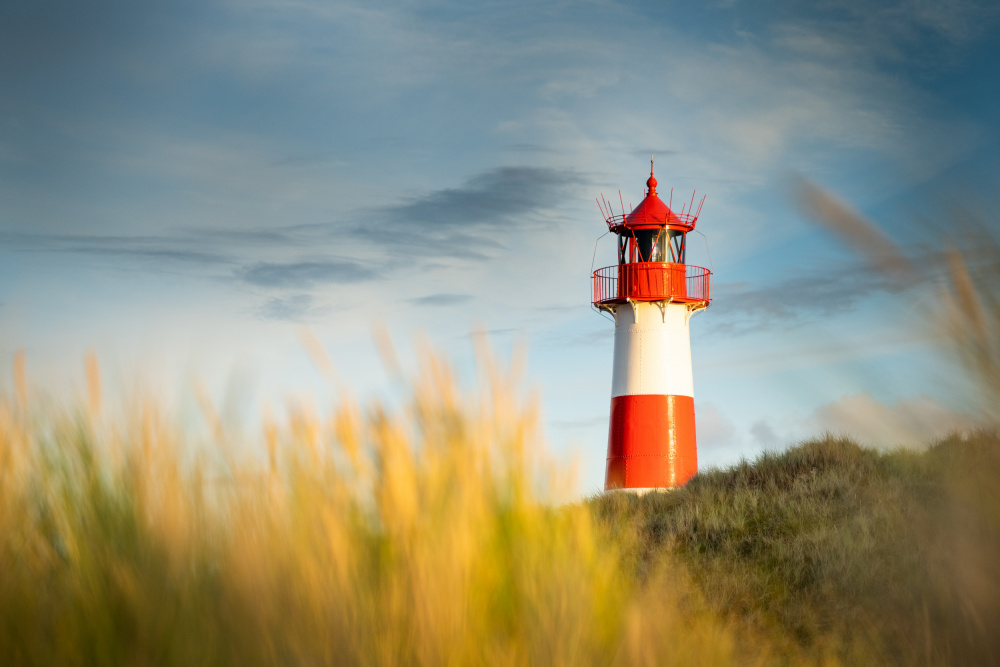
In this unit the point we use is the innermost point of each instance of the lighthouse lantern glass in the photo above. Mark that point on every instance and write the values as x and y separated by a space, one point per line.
678 249
654 245
649 245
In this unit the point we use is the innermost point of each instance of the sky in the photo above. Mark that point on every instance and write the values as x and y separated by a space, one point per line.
188 187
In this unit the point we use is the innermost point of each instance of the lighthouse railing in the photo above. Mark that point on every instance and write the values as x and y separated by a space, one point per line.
652 281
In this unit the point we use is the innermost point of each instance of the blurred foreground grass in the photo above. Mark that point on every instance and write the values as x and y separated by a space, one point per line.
431 535
424 535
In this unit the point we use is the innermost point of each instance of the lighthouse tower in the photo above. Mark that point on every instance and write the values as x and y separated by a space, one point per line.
652 294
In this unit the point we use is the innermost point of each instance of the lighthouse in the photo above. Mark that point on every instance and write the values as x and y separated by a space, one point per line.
652 293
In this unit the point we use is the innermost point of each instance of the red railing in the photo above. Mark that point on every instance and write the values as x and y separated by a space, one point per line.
652 281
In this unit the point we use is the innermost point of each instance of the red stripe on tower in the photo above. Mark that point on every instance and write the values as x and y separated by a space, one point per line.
651 442
652 294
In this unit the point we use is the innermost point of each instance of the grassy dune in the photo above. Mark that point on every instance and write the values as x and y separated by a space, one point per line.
433 535
889 557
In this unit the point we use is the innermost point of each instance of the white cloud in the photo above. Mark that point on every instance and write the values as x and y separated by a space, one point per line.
764 436
715 431
910 422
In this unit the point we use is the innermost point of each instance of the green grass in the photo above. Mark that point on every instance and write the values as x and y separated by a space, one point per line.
893 555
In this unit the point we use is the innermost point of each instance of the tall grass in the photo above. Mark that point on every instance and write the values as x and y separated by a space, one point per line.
420 535
830 548
432 534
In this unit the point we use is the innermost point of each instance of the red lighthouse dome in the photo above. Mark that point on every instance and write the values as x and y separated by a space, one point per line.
653 212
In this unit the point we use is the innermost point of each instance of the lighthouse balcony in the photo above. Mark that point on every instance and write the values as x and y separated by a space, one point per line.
652 281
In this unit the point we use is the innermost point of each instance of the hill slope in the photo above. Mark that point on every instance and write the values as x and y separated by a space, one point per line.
838 547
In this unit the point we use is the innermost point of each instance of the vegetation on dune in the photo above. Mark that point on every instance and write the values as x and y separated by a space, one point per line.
829 546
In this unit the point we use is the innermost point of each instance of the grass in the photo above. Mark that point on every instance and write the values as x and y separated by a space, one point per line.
424 535
433 534
829 546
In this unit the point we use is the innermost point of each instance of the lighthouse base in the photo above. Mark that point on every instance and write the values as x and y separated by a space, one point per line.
651 442
641 492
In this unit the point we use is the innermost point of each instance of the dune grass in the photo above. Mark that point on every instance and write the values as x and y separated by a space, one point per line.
889 556
431 534
434 534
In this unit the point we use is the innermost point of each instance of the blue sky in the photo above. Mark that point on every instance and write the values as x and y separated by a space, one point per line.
185 187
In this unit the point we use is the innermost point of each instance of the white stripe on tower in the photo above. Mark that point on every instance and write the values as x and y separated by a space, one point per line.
653 354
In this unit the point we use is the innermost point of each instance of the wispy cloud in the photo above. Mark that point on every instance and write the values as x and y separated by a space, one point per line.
715 430
292 308
488 199
306 274
165 248
471 220
529 148
895 30
281 236
802 296
442 299
764 436
912 422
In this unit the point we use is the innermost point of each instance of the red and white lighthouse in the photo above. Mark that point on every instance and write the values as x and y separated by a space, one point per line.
652 294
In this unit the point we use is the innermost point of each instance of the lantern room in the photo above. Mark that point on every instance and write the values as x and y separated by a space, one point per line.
652 254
